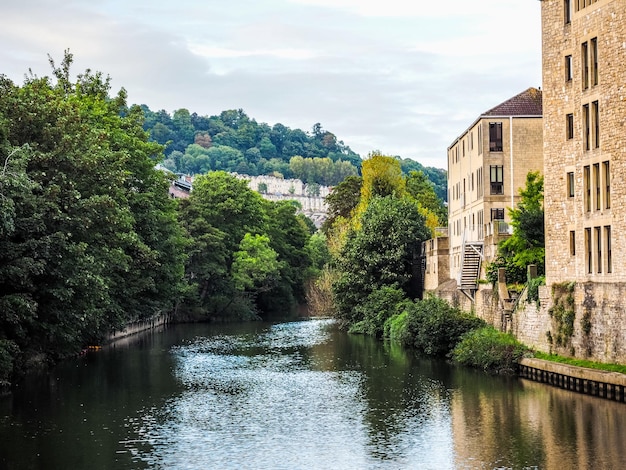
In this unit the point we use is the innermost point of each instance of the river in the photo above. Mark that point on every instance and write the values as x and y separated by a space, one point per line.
294 395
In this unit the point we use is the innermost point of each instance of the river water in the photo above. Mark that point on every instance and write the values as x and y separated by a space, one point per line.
296 395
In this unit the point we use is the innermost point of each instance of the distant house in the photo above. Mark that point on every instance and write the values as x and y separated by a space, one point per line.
487 166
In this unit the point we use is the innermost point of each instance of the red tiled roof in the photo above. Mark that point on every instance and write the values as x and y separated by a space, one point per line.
527 103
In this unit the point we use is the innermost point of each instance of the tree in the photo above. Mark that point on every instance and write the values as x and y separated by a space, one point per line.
90 240
527 242
343 199
380 253
255 265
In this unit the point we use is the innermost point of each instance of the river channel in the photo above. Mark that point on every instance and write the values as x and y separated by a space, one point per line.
294 395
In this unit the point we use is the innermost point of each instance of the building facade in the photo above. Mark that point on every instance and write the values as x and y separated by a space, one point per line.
487 166
584 75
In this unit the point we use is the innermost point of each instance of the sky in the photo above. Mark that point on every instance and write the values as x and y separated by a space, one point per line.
403 77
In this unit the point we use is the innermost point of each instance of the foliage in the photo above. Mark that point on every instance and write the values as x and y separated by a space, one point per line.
533 288
490 350
563 313
319 293
233 142
395 326
343 199
246 252
527 242
255 264
380 253
88 235
620 368
514 274
422 190
377 308
434 327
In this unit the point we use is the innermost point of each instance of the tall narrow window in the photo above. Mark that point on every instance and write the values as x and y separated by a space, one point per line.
595 119
572 243
480 139
587 186
596 186
593 61
588 251
495 137
607 240
584 54
570 184
586 127
598 240
568 11
496 177
607 184
569 68
569 126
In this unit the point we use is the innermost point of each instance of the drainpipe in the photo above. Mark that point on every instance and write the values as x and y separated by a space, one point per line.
511 155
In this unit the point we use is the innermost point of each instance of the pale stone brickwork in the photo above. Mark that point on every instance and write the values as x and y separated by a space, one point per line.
584 104
437 259
585 234
487 166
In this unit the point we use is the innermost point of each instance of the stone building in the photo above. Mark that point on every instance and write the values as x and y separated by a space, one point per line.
487 166
584 108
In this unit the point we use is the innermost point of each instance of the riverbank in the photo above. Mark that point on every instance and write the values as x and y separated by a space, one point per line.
600 383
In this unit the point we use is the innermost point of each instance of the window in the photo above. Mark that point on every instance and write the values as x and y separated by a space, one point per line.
495 137
593 61
607 184
587 186
480 139
586 127
569 126
607 241
572 243
589 56
497 214
568 11
570 184
569 68
595 120
496 177
588 254
598 240
584 54
596 185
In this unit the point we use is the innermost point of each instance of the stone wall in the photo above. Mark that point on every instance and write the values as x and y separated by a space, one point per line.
598 332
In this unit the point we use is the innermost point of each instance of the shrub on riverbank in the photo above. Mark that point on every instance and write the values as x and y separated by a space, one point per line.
431 326
490 350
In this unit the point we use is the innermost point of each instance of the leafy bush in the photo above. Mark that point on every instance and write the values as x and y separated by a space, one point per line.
514 273
490 350
380 305
533 288
395 325
434 327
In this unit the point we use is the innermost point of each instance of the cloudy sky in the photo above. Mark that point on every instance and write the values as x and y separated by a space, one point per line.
405 77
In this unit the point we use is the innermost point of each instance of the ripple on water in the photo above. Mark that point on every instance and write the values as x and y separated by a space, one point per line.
254 402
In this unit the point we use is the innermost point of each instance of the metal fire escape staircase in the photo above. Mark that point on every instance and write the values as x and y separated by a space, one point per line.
470 268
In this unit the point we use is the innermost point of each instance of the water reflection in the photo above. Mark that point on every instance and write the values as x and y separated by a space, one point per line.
291 396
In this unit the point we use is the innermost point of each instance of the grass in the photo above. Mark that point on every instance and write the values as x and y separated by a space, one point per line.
582 363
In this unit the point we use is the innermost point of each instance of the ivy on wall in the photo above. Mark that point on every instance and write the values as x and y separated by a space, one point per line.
563 314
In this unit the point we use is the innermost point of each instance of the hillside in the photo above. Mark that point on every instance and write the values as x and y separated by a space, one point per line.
234 142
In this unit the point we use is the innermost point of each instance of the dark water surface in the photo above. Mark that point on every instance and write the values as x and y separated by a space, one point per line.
296 395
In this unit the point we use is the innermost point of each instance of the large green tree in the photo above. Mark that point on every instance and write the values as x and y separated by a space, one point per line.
89 237
381 253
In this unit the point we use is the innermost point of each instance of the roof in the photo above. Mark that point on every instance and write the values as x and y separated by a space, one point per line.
527 103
